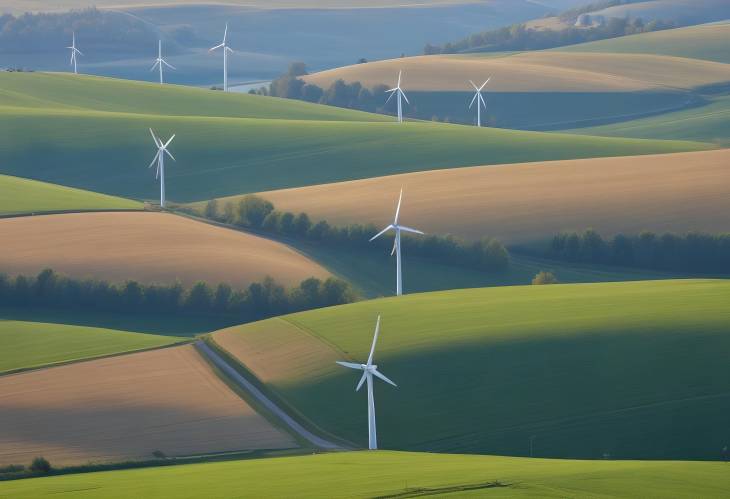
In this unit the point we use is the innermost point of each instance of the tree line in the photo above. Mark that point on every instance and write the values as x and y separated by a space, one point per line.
520 37
258 301
691 252
339 93
254 212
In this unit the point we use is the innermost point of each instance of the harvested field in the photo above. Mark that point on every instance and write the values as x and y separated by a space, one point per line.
148 247
532 201
125 408
535 72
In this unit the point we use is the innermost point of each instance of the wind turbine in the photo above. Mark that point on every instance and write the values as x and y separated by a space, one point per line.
396 244
74 51
479 100
160 62
160 159
399 93
226 49
369 370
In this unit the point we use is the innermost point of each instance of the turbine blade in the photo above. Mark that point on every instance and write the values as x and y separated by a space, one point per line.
215 48
351 365
481 99
395 245
154 137
381 232
472 100
168 65
375 340
392 93
169 140
408 229
157 175
383 377
229 49
225 33
154 65
170 154
397 210
154 160
399 75
474 85
362 380
404 96
484 84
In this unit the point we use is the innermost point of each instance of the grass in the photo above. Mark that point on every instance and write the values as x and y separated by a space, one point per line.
28 196
707 42
34 343
627 370
391 474
708 123
108 151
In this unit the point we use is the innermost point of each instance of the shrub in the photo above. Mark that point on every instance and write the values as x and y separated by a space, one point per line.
543 277
40 465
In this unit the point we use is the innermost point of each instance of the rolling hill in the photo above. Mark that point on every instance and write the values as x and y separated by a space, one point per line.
706 41
532 202
27 196
108 151
168 400
679 11
543 90
392 474
624 370
147 247
29 344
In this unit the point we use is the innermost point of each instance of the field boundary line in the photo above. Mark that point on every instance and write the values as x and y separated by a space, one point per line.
221 363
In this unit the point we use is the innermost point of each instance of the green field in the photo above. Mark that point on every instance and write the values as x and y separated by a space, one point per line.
627 370
708 123
707 41
32 342
391 474
108 151
29 196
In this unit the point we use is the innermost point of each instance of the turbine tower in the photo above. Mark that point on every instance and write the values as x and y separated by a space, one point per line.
160 160
160 61
74 51
398 92
479 100
398 228
369 370
226 49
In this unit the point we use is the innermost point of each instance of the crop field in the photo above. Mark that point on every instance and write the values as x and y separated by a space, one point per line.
27 196
687 11
535 72
108 151
709 123
166 400
147 247
708 41
393 474
531 202
29 344
621 370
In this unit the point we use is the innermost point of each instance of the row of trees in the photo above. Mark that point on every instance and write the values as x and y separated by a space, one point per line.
339 93
258 301
257 213
100 29
692 252
521 37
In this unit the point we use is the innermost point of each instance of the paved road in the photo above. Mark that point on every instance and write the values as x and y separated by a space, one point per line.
263 399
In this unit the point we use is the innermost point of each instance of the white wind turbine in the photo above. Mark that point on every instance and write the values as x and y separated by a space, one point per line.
479 100
160 62
397 245
160 160
398 92
226 49
369 370
74 51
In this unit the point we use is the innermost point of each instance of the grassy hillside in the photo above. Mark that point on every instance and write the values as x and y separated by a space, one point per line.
29 344
147 247
591 370
541 90
392 474
28 196
708 41
532 202
217 156
708 123
684 12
